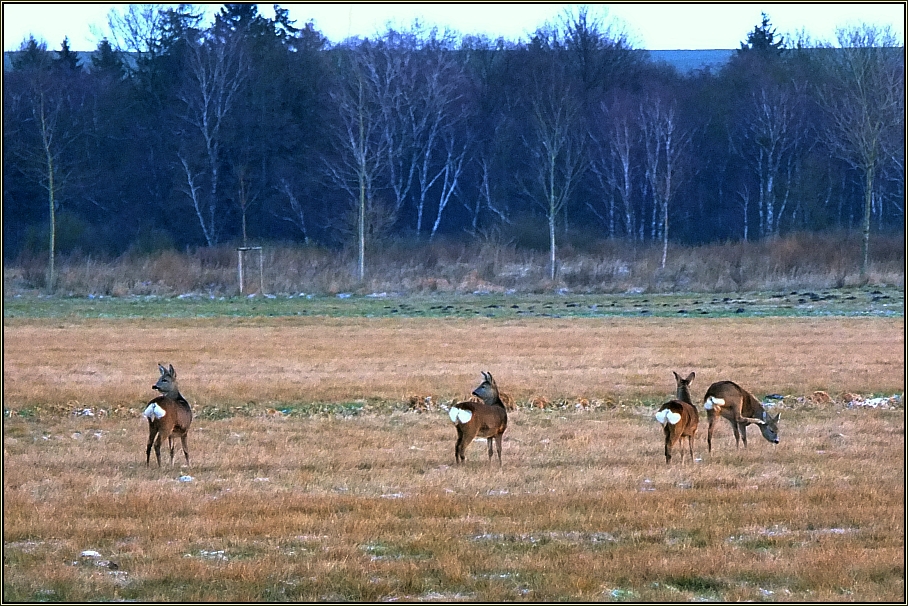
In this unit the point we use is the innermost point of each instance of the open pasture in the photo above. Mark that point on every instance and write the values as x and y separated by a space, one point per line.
312 481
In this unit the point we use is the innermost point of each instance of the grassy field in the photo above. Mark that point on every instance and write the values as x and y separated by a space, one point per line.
312 479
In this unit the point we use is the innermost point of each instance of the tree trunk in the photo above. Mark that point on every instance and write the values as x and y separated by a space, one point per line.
51 271
361 228
868 201
552 246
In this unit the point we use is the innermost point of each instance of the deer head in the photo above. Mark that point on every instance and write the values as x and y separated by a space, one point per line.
770 426
487 390
167 384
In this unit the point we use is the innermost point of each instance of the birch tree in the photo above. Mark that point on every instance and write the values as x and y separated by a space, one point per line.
665 144
770 135
557 150
864 101
216 69
360 147
613 166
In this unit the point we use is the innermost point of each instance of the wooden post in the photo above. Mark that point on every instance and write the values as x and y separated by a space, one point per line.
239 262
241 251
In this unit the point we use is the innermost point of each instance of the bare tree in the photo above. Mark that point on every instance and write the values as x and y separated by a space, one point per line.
418 83
48 135
485 197
453 167
666 146
557 153
772 129
216 71
612 165
297 215
864 99
360 146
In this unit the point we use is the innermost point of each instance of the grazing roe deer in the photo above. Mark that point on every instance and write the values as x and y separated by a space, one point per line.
486 419
741 408
168 415
679 418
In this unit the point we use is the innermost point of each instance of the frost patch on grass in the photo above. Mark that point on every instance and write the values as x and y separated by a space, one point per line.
571 536
218 555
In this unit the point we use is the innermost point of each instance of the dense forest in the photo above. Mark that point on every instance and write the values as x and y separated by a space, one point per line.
253 130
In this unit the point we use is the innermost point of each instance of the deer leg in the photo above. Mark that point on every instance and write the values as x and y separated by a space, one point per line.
170 445
157 448
498 446
184 440
709 433
458 449
668 446
489 440
464 437
690 447
734 427
743 427
742 419
151 436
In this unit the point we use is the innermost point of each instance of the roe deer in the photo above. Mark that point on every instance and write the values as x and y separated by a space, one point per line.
486 419
727 399
679 418
168 415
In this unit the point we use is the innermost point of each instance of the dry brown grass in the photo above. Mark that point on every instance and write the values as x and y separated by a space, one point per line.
587 264
371 508
232 362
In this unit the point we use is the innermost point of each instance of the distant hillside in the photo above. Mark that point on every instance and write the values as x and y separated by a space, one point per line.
688 61
685 61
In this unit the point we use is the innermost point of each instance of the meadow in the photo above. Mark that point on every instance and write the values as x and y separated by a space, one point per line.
314 478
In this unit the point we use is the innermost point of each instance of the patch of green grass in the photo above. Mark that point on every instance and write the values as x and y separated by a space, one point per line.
876 301
697 584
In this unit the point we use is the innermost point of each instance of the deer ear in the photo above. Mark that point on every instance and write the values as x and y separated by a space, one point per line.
161 368
173 373
677 377
691 376
489 376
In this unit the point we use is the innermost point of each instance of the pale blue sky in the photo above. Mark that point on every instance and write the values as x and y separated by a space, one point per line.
650 25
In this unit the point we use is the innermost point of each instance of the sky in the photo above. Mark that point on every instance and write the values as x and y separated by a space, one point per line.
652 26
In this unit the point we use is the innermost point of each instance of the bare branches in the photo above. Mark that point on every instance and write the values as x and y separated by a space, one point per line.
863 105
216 72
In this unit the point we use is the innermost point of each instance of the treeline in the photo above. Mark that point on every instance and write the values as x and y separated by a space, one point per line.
253 129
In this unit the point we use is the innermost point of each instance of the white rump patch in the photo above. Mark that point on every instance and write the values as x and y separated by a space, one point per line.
667 416
713 402
459 415
153 411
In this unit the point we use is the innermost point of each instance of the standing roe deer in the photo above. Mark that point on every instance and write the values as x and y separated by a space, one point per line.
486 419
727 399
168 415
679 418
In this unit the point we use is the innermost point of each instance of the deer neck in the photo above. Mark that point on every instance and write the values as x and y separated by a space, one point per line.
493 400
684 394
173 394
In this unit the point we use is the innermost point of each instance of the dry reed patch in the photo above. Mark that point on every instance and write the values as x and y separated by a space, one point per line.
372 508
228 362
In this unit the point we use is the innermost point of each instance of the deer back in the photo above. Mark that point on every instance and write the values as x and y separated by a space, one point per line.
170 409
677 416
750 406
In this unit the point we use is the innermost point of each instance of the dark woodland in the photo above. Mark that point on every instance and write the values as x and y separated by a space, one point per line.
172 135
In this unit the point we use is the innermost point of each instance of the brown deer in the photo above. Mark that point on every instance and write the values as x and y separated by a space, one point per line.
741 408
486 419
168 415
679 418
